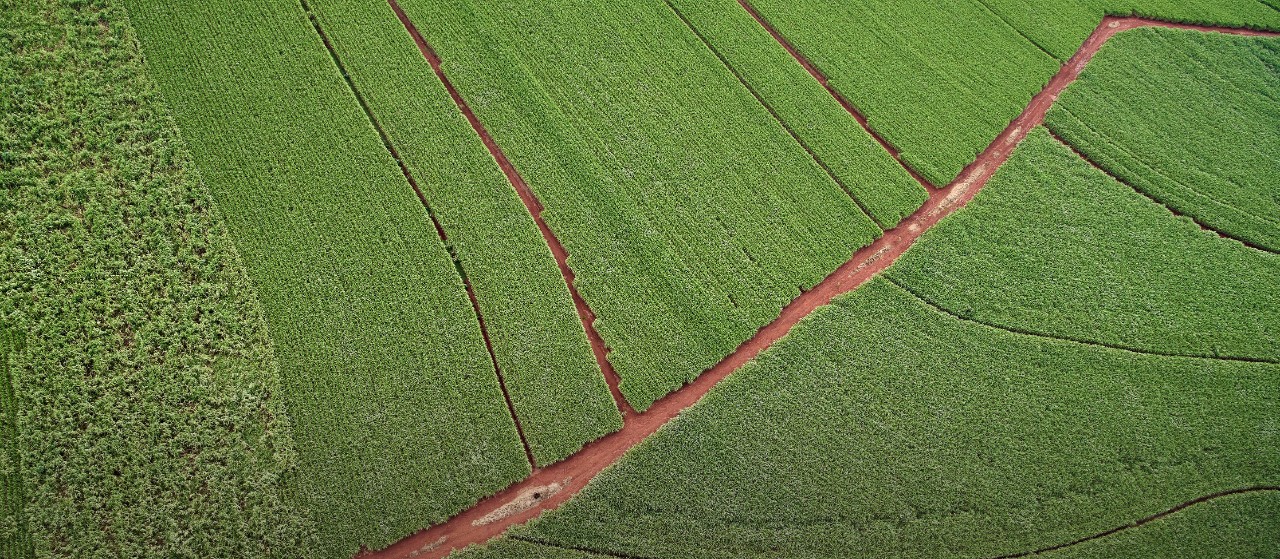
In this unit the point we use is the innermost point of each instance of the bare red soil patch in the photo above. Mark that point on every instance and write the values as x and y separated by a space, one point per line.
549 487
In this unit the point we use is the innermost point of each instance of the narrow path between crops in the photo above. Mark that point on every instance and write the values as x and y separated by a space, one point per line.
531 202
725 62
1013 330
1176 213
549 487
444 238
1143 521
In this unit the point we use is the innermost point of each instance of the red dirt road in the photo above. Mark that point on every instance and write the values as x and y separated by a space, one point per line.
549 487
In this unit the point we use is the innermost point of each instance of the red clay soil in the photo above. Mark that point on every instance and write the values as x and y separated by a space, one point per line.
534 206
549 487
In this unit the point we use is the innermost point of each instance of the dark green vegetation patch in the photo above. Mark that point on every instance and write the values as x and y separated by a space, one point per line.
15 539
147 400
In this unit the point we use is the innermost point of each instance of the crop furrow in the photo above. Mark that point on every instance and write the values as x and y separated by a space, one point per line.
1081 341
1154 200
844 102
759 99
1146 520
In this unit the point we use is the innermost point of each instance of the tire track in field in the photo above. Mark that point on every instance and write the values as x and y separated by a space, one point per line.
444 238
1154 200
1022 332
1143 521
552 486
535 208
773 113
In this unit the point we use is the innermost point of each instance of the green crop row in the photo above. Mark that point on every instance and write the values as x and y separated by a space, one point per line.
1141 111
881 427
556 387
398 416
689 214
937 79
835 138
1089 258
15 539
941 80
1060 27
145 396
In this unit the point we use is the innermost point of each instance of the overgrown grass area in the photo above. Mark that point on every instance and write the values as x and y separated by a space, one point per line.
1057 247
145 395
398 415
15 538
690 215
556 386
1205 145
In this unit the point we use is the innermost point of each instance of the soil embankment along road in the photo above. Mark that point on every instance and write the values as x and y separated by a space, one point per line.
551 486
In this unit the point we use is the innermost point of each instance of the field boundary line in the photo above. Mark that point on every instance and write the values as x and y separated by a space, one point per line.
1080 341
839 97
534 207
1144 520
526 499
759 99
444 238
1203 226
